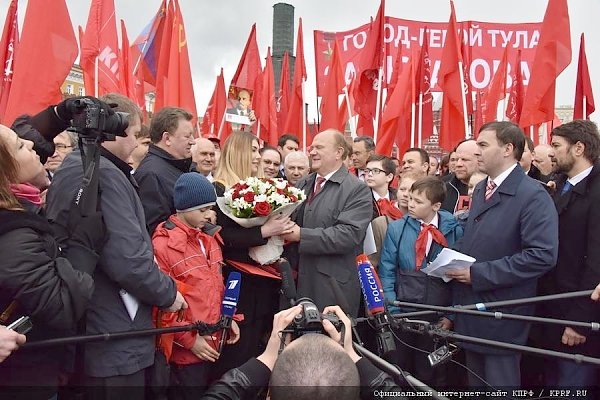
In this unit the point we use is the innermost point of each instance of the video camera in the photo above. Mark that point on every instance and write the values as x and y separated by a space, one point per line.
93 119
310 320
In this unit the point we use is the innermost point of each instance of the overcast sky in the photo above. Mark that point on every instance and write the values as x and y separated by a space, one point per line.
217 30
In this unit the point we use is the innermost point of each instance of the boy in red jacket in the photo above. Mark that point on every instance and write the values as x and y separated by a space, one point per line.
188 248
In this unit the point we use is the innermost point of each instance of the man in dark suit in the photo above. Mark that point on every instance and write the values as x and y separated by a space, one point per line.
575 152
332 224
512 232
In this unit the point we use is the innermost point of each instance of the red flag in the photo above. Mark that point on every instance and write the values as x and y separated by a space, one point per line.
552 56
423 76
249 67
365 92
496 91
45 41
125 67
452 129
100 45
330 115
465 52
178 86
267 111
295 122
397 115
515 99
283 98
164 57
8 49
584 97
213 116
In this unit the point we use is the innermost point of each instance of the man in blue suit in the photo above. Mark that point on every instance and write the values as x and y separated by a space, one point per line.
512 232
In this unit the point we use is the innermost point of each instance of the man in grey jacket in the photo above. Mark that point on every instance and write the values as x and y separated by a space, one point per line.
127 281
331 224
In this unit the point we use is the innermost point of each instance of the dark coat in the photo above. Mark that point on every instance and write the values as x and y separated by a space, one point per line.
578 265
126 262
156 177
454 189
45 287
514 238
333 227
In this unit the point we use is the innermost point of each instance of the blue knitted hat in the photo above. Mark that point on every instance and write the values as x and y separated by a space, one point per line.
193 191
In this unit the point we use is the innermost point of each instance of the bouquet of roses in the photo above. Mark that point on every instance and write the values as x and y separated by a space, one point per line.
251 202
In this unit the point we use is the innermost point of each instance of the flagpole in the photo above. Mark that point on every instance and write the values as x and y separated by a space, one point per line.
221 126
304 117
96 77
464 98
378 104
350 121
420 119
531 132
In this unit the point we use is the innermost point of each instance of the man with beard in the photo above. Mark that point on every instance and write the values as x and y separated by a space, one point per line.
575 152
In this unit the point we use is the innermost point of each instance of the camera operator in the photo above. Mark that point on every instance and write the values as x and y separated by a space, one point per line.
314 366
128 282
36 280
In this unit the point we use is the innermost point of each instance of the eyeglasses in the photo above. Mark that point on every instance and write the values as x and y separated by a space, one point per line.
373 171
61 147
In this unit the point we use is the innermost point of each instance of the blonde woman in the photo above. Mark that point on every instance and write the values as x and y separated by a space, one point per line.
258 300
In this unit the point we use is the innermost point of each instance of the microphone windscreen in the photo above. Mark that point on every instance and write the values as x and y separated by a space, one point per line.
232 294
288 287
370 285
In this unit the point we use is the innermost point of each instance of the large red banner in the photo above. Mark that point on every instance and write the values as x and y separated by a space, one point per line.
484 42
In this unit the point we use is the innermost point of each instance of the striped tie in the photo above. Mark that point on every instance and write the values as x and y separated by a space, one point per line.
489 189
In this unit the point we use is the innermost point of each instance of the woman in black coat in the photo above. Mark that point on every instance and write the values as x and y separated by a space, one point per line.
259 298
35 279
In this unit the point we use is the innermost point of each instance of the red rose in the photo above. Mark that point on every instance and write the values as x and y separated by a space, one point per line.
262 208
293 198
249 197
280 191
236 194
242 186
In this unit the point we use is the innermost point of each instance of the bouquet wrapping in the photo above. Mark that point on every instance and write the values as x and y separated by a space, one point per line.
253 201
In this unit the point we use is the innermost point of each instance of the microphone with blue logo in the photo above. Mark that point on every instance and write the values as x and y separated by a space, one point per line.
229 304
375 303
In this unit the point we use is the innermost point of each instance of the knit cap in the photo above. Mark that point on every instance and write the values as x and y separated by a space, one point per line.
193 191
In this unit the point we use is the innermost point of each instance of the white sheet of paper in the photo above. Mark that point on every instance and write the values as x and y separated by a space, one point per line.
369 246
447 259
131 303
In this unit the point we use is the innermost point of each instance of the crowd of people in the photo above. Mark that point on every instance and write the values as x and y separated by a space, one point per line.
157 249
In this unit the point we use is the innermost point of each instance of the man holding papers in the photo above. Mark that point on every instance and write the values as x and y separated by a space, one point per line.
512 232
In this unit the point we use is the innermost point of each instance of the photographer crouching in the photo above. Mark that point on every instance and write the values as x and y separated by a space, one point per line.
313 366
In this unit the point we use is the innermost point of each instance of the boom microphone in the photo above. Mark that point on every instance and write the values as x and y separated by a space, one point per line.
229 304
375 302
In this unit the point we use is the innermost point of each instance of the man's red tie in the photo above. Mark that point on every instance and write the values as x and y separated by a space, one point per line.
421 243
318 186
489 189
387 208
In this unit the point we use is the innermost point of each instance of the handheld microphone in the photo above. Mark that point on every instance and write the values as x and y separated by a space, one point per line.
288 287
229 304
375 302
